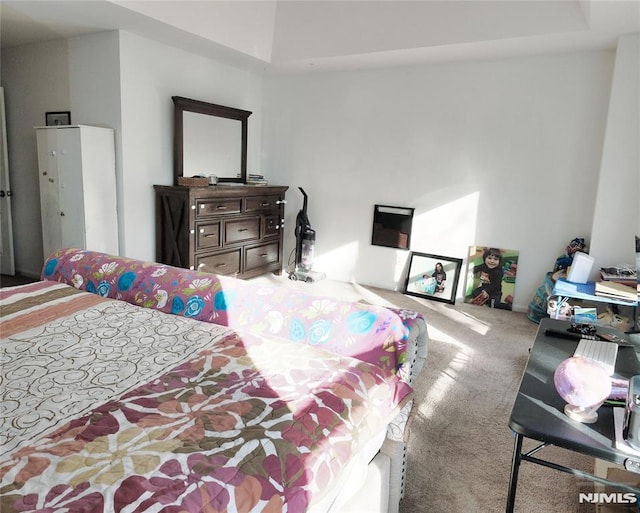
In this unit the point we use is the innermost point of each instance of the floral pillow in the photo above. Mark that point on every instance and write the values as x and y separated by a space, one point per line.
373 334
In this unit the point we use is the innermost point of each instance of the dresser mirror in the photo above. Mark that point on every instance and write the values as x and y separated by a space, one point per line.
209 139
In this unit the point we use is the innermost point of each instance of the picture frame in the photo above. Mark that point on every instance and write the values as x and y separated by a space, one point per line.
392 226
59 118
422 280
491 277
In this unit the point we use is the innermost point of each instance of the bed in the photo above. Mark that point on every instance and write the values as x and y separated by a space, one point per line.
131 386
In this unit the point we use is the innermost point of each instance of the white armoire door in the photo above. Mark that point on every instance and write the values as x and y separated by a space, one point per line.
49 191
77 188
7 262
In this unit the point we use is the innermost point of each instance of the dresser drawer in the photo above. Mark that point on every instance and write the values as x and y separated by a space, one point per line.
271 226
208 235
262 203
212 207
240 230
262 255
227 262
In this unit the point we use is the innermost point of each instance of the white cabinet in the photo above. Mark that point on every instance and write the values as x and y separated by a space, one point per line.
77 177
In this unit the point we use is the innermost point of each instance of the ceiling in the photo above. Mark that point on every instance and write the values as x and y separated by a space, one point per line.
320 35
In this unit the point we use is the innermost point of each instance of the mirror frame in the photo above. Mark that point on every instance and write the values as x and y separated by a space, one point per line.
211 109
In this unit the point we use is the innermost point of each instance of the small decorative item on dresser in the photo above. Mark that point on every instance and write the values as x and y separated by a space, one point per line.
58 118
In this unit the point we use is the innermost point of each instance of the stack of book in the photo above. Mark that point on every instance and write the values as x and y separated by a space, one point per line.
253 179
622 274
616 290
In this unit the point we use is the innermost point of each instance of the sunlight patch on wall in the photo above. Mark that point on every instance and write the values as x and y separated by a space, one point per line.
341 261
402 259
448 229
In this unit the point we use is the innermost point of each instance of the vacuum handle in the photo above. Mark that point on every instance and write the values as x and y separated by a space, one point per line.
304 203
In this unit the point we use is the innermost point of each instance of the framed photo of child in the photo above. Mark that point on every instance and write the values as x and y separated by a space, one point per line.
491 277
433 277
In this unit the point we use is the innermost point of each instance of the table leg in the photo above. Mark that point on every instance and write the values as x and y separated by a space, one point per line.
515 468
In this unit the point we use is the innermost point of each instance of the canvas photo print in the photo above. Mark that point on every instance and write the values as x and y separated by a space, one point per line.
491 277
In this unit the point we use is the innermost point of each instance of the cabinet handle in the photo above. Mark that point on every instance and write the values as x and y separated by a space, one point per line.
208 235
223 264
264 255
220 207
200 266
193 207
281 202
192 232
201 230
264 204
243 230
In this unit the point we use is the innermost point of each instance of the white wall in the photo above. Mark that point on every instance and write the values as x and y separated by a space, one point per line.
151 73
617 212
503 153
245 26
79 75
125 82
36 80
94 74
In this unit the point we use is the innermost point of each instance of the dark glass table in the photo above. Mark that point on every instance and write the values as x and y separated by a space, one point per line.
538 411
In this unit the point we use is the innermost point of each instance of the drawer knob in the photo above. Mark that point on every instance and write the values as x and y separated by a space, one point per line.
193 207
200 266
201 230
192 232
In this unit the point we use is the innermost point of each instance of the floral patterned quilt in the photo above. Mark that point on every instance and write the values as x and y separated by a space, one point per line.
116 408
374 334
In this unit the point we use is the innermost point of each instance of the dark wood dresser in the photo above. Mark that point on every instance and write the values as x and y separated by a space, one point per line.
234 230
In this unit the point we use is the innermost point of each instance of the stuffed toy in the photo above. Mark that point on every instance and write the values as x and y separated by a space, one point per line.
563 262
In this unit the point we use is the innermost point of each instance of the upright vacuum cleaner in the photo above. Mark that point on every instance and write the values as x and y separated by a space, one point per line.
305 243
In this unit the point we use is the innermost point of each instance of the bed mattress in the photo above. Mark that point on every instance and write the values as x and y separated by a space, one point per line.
113 407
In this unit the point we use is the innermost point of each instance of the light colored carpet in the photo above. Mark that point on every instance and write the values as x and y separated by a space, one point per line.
460 444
